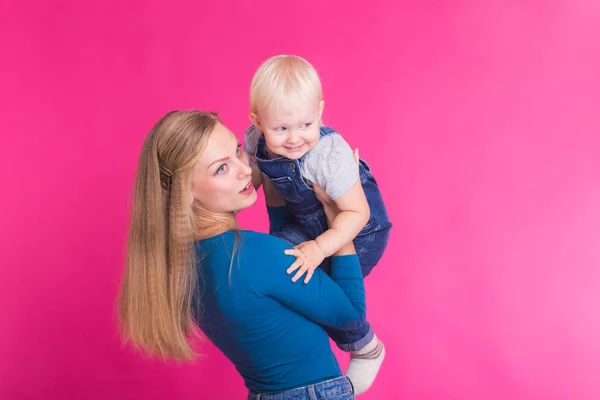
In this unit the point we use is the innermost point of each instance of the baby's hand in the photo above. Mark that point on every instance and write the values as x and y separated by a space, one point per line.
308 257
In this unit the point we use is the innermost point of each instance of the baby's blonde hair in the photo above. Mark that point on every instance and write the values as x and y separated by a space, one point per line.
282 81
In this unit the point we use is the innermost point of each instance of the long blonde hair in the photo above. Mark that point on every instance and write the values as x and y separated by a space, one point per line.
155 300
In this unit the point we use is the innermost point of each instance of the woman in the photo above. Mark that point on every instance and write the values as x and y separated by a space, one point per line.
189 263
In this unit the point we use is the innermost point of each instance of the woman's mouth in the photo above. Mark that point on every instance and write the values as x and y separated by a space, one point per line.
249 188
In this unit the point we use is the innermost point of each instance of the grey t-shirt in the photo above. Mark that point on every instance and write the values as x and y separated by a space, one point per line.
330 164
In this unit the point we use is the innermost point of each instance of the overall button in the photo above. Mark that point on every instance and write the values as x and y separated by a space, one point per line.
293 166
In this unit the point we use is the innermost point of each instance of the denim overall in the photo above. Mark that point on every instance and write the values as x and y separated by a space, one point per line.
310 221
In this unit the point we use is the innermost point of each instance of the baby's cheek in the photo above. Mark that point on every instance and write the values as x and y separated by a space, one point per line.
312 144
270 137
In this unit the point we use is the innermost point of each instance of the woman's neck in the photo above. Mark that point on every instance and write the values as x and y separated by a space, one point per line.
216 225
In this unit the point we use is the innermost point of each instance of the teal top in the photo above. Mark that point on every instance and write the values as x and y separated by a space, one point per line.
267 325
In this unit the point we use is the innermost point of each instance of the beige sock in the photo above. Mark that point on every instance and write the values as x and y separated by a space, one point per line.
364 365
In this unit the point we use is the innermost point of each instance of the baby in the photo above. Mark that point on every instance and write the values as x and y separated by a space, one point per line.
290 147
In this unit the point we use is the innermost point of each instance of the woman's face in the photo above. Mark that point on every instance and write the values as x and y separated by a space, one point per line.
222 175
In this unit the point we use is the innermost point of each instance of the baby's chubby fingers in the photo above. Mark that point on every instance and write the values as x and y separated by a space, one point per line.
296 252
295 265
299 259
309 275
300 272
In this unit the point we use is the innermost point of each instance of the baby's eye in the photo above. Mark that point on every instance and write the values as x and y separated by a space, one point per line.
280 129
304 126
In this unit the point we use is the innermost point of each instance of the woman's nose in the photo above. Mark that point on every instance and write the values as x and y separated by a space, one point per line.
245 169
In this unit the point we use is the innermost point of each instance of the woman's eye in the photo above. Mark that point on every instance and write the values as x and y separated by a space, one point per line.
222 169
239 150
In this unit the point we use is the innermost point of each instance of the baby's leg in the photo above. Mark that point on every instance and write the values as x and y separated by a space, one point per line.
370 248
366 351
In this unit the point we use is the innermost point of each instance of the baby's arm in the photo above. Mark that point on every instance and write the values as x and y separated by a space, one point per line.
354 215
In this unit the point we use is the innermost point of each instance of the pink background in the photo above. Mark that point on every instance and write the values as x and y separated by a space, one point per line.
481 120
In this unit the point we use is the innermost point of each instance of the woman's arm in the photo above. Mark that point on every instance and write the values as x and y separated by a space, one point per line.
337 301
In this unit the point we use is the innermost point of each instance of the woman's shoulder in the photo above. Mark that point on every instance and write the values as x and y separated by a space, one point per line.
262 242
246 237
263 246
247 246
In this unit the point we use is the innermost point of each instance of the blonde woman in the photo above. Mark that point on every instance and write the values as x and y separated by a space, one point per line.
190 264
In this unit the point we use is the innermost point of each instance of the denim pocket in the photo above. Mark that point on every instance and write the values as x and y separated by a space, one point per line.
364 170
286 188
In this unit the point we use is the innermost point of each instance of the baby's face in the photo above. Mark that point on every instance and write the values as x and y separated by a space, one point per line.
294 132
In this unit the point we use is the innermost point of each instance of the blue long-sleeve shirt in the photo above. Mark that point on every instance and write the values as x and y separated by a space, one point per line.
268 326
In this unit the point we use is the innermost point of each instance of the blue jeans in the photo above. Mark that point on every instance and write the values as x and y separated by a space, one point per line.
333 389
